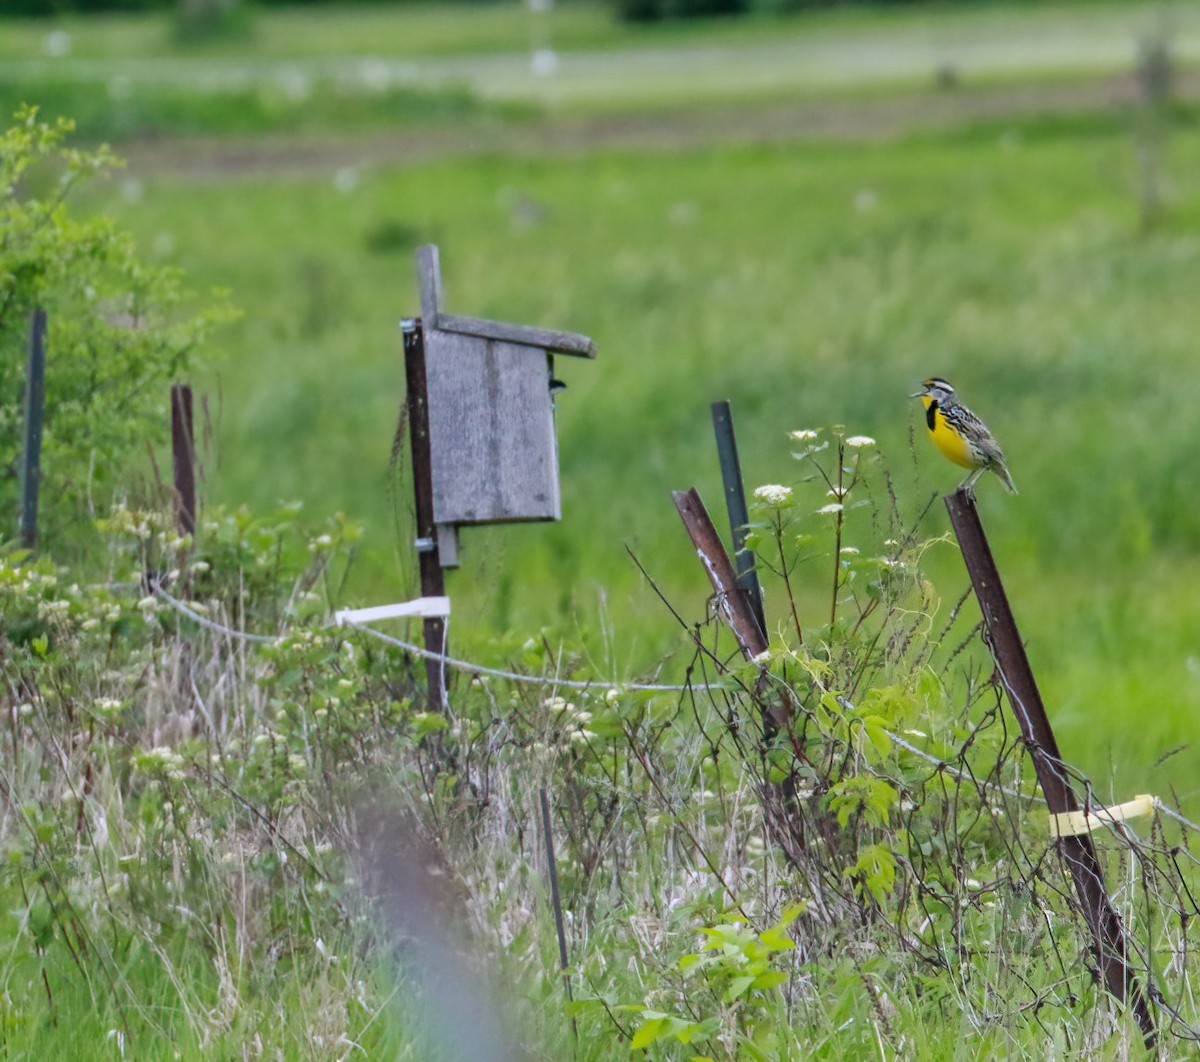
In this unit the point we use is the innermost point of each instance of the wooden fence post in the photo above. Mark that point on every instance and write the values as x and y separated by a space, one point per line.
1079 851
183 452
433 582
35 411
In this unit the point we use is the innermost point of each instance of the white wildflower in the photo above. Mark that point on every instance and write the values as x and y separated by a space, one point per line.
827 510
850 551
859 442
838 492
804 435
773 493
107 707
763 658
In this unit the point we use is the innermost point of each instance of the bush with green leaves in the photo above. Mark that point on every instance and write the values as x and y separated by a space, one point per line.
120 331
180 794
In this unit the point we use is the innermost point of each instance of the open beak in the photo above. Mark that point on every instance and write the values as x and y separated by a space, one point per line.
919 394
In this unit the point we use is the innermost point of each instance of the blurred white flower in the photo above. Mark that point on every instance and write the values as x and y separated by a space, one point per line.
346 179
773 493
858 442
544 63
826 510
866 200
57 44
804 435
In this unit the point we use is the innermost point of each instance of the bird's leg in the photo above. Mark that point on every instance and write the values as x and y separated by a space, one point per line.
968 484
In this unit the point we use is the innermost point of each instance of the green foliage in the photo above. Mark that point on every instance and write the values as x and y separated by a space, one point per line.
730 988
156 837
185 808
116 336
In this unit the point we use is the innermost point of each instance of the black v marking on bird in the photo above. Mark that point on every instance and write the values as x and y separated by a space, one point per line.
931 415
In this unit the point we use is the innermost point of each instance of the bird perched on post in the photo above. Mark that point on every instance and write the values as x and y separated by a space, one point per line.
961 435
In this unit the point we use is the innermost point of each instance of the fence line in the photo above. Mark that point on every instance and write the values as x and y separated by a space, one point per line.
635 687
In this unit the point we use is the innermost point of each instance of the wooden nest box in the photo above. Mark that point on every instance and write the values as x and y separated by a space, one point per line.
490 405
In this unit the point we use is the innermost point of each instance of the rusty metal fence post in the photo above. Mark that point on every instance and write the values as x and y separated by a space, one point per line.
1079 852
730 597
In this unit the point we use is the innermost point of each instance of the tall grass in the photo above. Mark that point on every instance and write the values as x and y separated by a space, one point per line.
221 845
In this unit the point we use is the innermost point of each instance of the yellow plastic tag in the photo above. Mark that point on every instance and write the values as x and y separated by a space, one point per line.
1073 823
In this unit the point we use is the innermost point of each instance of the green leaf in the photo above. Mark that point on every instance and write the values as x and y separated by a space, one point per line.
651 1032
738 987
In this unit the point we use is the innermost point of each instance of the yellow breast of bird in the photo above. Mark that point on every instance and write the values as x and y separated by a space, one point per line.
948 440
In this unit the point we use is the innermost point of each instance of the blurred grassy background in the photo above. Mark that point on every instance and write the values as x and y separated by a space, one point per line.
811 278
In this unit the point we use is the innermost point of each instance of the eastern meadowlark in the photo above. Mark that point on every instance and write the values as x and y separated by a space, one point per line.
961 435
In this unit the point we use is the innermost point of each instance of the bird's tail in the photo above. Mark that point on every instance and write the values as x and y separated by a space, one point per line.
1001 469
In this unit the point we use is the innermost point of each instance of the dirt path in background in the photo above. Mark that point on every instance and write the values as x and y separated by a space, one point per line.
208 159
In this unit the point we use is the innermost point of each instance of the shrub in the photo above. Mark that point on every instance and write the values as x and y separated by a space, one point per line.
117 331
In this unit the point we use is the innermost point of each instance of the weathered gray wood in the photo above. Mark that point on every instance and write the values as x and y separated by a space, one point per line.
429 279
559 342
491 430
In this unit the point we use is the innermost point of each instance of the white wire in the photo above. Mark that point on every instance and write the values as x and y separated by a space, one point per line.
217 628
429 654
536 680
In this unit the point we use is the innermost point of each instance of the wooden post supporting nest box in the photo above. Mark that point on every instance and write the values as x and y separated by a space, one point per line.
481 418
490 402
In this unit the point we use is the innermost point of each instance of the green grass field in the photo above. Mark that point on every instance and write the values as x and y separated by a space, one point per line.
811 280
811 285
